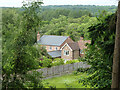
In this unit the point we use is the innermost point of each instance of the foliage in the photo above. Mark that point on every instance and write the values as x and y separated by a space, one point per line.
100 52
48 14
73 27
42 51
58 61
35 78
72 61
75 72
82 69
19 55
73 11
46 62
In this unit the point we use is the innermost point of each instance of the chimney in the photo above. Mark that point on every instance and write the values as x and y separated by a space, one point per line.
81 38
38 36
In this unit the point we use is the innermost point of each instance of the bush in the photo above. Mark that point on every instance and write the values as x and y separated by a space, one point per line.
58 61
81 59
75 72
46 62
82 69
72 61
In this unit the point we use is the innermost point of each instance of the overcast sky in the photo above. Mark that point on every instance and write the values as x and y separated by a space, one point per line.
18 3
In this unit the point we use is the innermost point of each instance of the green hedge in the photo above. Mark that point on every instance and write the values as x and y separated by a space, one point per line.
72 61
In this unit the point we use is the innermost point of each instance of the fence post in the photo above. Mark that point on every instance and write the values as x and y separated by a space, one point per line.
63 68
73 66
47 71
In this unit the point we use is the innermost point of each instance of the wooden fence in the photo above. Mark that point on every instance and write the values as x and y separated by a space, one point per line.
62 69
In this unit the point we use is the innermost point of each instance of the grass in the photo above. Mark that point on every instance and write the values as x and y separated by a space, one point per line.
65 81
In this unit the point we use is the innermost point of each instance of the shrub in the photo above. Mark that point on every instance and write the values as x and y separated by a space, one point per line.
81 59
75 72
82 69
58 61
46 62
72 61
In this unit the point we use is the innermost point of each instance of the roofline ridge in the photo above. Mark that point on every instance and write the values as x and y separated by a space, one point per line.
55 35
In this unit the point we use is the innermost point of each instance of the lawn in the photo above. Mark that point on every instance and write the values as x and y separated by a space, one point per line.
65 81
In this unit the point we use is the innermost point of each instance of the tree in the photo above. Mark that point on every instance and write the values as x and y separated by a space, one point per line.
116 58
100 52
19 54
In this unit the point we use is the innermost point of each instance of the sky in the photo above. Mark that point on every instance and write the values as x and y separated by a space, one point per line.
18 3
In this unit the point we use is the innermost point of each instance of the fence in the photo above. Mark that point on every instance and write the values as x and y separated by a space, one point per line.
62 69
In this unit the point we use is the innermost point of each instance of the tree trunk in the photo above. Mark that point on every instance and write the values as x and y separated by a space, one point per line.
116 58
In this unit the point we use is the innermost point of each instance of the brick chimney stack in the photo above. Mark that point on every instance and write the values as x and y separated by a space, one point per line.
38 36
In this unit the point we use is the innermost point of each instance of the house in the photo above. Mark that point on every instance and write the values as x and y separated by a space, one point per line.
70 51
61 46
53 43
82 45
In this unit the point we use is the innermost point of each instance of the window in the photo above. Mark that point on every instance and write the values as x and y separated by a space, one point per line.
50 48
81 52
56 48
66 52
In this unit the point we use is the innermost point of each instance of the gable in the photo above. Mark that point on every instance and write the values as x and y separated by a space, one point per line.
68 40
72 46
66 45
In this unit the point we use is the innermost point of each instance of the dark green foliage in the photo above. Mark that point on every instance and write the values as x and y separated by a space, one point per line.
100 52
19 54
73 27
74 11
42 51
33 79
82 69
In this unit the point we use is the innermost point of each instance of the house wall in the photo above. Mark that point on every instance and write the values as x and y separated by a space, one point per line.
47 47
66 57
68 40
76 54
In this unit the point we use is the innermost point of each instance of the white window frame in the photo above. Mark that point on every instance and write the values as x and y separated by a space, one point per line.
50 48
81 51
66 52
56 48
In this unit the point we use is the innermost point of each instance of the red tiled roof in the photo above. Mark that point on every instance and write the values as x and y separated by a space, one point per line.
82 43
